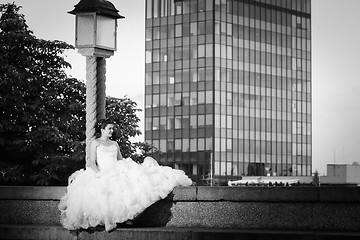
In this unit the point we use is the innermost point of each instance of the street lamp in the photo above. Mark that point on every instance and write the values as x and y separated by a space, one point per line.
95 38
95 27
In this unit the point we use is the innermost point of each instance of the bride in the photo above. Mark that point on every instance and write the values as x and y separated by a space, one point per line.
113 190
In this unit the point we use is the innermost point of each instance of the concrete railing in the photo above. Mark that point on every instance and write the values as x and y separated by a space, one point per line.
279 208
246 208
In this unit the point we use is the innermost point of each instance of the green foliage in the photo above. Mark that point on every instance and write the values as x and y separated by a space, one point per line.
42 111
36 134
123 112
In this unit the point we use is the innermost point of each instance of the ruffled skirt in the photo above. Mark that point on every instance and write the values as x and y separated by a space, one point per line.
117 195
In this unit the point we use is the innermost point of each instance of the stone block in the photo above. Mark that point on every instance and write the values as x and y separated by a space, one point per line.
282 208
258 194
29 212
138 234
252 215
339 194
35 232
32 192
183 194
57 233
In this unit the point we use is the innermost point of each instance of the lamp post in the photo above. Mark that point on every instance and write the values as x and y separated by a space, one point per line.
95 38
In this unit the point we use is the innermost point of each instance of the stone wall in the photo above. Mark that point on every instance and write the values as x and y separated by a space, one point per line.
272 208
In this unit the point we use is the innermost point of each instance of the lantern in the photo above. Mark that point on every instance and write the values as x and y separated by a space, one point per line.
96 23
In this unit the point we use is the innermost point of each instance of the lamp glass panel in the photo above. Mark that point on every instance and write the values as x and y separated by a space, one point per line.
106 32
85 30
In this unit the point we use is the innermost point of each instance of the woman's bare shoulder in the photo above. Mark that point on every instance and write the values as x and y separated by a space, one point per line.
114 143
95 142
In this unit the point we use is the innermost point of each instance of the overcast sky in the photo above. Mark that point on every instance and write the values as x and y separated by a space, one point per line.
335 61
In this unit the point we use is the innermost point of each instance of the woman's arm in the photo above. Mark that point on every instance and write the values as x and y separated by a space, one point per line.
119 156
92 158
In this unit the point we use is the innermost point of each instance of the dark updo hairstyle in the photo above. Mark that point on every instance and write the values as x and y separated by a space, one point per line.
101 124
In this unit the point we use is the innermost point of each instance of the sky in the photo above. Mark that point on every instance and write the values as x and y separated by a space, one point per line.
335 61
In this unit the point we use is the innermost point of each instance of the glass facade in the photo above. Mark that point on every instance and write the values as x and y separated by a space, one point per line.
228 87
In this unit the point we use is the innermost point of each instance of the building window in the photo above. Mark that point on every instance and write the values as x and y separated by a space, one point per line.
178 30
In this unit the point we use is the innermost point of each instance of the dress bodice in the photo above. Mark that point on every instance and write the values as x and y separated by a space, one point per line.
106 156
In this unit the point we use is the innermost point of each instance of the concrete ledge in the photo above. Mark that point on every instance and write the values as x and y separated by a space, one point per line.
275 208
202 193
183 194
253 215
51 233
35 232
29 212
55 193
258 194
339 194
31 193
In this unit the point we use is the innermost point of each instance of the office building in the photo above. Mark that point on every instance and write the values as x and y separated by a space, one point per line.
228 86
344 174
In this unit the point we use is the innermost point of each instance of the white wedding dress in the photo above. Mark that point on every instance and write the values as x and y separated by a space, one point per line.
119 192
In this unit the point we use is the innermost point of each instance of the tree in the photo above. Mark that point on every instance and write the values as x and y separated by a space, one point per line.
34 94
42 111
123 112
316 179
